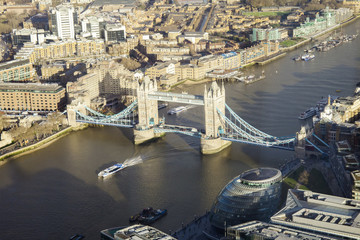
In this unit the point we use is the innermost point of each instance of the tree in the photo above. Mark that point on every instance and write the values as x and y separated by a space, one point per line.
18 134
4 122
54 120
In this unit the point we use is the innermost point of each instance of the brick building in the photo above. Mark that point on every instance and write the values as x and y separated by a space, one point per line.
31 97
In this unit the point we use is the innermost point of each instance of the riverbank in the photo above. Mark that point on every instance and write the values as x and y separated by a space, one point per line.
41 144
283 52
180 85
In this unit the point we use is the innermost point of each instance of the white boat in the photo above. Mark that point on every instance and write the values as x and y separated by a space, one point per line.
163 105
176 110
307 57
111 170
308 113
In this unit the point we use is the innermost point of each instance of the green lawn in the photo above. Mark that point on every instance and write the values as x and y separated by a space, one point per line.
316 182
291 42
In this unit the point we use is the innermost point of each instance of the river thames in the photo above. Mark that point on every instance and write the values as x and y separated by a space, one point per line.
54 193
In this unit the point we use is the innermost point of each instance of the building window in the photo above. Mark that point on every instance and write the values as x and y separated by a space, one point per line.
11 77
16 75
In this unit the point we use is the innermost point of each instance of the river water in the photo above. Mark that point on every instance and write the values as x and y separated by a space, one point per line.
54 192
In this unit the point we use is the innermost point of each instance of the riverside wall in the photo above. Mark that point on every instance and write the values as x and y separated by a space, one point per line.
43 143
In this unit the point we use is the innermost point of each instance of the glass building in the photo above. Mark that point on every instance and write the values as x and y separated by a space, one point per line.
253 195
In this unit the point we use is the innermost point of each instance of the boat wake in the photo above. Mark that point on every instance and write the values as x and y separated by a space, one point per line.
133 161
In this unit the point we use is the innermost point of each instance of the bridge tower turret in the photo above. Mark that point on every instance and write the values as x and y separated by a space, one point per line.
214 100
71 109
147 109
301 141
147 112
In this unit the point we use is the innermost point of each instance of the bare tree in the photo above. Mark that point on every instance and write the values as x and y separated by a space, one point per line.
18 134
4 122
37 130
55 120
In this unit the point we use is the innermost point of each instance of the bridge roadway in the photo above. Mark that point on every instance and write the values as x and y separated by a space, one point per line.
162 128
177 97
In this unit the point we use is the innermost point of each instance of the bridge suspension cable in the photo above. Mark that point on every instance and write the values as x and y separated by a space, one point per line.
245 124
122 119
237 129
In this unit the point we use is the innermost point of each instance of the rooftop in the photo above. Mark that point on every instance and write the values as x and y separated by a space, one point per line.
136 232
260 174
13 63
272 231
356 175
97 3
325 214
37 87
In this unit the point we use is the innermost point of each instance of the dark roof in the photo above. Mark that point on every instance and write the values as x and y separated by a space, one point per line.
13 63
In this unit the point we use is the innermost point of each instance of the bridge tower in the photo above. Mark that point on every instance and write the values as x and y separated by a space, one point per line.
214 100
300 142
147 112
71 109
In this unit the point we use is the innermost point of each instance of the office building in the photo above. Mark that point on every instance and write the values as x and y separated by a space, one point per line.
253 195
20 36
261 230
94 26
320 213
115 32
62 21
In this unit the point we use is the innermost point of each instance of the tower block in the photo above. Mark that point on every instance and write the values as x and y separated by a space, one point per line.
214 100
147 112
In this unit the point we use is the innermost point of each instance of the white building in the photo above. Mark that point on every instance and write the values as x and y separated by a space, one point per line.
91 25
193 37
20 36
115 32
62 21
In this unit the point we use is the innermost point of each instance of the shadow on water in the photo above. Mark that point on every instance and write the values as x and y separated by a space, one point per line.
53 210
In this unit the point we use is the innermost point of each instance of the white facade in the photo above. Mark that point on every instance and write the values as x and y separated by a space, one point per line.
65 21
91 25
32 35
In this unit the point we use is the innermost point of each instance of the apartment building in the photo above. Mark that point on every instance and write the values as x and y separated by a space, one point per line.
230 61
108 78
16 70
269 34
162 52
356 184
320 23
31 97
159 69
61 49
123 47
52 71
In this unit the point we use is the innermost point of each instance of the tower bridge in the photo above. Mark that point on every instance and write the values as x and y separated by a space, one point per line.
222 124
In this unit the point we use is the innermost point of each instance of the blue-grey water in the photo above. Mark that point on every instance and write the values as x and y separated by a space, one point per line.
54 192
